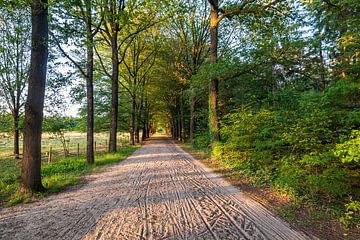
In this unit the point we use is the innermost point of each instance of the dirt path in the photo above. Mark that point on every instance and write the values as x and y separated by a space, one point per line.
160 192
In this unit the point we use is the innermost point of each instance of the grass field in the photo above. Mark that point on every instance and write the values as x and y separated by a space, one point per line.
73 141
62 171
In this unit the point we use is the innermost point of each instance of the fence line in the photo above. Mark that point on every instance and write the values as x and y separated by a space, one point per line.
55 148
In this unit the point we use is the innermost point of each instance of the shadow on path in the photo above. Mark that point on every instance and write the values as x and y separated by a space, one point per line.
160 192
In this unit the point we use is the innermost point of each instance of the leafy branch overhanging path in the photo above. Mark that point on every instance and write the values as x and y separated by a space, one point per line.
160 192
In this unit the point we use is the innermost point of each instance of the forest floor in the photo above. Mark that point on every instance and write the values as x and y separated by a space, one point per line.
159 192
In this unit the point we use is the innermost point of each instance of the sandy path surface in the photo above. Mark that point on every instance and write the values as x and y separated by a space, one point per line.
160 192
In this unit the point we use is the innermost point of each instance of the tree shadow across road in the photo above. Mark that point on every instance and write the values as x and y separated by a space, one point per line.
158 192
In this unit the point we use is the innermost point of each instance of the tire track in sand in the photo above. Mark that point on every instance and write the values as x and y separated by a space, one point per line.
160 192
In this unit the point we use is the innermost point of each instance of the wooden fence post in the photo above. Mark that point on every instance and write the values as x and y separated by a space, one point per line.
78 149
50 154
95 148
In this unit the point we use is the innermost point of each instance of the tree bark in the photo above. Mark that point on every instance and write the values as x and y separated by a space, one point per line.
182 125
132 122
139 120
174 128
179 126
145 120
16 111
90 88
144 132
31 167
114 91
192 118
148 130
214 85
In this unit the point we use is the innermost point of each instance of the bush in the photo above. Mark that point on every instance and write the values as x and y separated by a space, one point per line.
202 140
309 148
351 217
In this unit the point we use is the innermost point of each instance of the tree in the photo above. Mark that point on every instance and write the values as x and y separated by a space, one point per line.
111 29
31 168
246 7
193 32
14 63
57 126
91 20
136 66
122 23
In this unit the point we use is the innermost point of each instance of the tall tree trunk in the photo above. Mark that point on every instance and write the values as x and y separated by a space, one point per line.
139 120
132 122
182 125
16 112
31 167
145 120
90 88
137 134
214 85
148 130
16 132
179 126
192 118
174 124
114 91
144 132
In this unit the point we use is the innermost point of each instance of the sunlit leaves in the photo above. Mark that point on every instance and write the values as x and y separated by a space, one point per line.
349 151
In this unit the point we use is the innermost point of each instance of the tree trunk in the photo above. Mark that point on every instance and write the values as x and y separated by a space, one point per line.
148 130
179 127
145 120
139 120
174 127
214 85
31 168
144 131
182 125
137 123
90 89
192 118
16 133
114 92
132 122
137 134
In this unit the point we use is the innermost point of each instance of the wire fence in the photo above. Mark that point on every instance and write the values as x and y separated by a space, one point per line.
54 147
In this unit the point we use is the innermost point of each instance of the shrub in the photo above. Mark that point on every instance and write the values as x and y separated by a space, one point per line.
202 140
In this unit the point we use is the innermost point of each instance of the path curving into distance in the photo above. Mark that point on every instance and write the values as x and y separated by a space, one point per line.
160 192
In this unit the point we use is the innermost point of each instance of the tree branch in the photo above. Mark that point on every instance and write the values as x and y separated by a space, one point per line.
77 65
102 63
241 9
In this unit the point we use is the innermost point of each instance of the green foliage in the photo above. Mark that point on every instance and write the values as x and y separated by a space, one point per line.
306 149
5 122
57 126
351 217
202 140
349 151
9 178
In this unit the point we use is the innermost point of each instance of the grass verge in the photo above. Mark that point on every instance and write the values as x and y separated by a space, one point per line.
65 171
315 218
